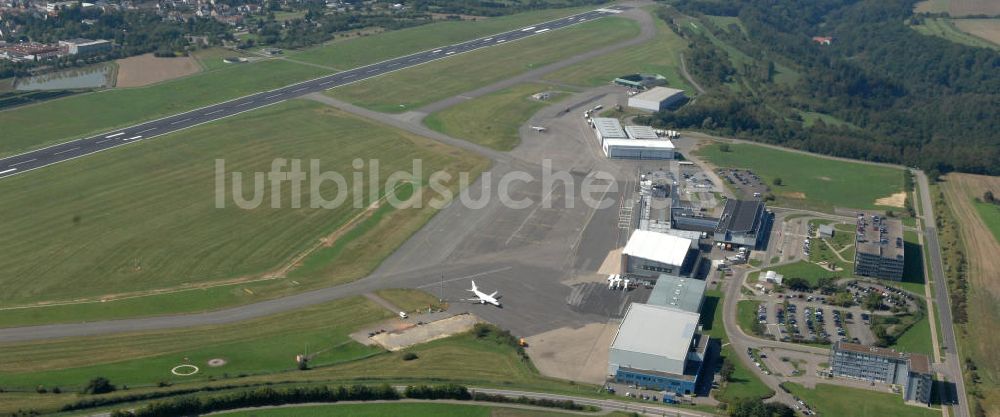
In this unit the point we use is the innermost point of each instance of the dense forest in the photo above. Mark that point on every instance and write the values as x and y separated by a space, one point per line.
902 97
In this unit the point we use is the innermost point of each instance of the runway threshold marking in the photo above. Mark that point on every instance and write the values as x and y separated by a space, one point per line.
449 52
527 29
131 138
8 171
114 135
542 30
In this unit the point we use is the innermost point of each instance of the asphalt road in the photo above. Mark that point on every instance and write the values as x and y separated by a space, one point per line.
82 147
952 364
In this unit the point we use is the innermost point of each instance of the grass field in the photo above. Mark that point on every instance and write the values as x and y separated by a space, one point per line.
211 58
414 87
31 127
990 214
148 219
808 271
949 29
145 359
745 382
409 409
659 56
355 52
811 182
746 315
835 400
492 120
267 354
917 339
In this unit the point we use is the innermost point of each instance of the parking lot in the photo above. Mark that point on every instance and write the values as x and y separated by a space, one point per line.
745 182
811 320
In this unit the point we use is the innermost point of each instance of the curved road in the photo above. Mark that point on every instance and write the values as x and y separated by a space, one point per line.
40 158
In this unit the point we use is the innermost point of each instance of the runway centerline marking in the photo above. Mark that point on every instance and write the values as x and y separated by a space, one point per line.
67 150
180 121
476 275
23 162
144 131
272 96
213 112
116 134
131 138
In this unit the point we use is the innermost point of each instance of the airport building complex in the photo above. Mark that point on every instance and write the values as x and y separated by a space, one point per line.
880 248
657 347
743 223
630 142
656 99
685 293
649 254
911 371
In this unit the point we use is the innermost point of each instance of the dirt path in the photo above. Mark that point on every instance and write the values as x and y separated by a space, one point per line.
688 77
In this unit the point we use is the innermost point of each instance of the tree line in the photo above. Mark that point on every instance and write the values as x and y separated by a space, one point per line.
905 98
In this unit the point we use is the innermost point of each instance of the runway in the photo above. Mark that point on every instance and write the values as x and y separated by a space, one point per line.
40 158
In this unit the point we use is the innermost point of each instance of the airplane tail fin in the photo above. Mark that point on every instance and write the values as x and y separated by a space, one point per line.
473 286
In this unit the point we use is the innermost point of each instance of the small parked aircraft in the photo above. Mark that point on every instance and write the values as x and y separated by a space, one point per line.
539 128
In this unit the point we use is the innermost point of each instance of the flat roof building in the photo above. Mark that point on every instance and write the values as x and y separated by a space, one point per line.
649 254
656 99
641 132
826 230
879 248
685 293
912 371
659 149
743 222
608 128
81 46
658 348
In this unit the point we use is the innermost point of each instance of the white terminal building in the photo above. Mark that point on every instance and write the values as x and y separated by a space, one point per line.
649 254
656 99
631 142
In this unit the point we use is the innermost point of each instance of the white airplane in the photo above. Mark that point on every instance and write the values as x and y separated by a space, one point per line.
539 128
614 281
625 287
484 298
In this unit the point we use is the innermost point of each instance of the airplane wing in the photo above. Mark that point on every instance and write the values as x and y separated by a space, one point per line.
494 295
